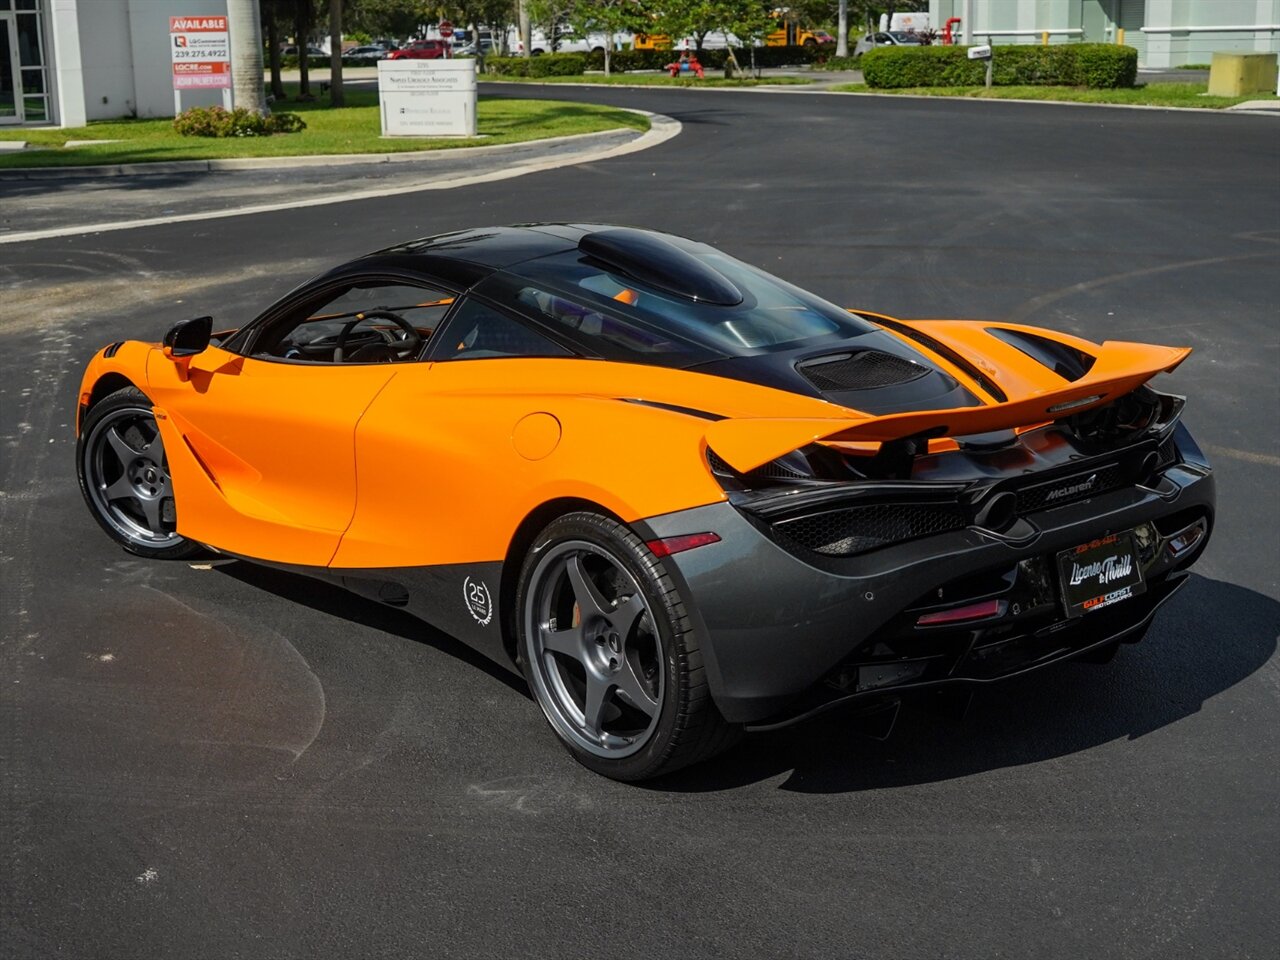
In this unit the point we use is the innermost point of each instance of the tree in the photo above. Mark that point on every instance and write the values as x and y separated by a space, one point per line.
336 96
389 18
842 29
244 20
750 22
698 18
526 28
497 15
609 17
549 15
304 14
272 10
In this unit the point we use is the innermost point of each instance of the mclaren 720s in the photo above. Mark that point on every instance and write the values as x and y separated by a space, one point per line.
683 497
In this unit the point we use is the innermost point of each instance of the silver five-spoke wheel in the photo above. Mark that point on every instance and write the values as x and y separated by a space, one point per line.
606 640
596 659
124 474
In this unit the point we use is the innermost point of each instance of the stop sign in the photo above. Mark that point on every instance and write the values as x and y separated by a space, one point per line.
446 29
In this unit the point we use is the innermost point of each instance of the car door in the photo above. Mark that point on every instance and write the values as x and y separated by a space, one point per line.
261 440
428 445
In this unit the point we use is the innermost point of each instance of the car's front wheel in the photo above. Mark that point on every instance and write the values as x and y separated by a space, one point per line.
610 653
124 476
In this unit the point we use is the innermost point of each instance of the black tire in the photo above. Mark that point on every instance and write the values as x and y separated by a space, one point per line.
144 523
685 726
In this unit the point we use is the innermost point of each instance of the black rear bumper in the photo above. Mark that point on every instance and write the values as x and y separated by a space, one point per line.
787 635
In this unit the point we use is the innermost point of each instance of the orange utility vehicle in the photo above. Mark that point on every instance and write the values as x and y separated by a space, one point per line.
682 496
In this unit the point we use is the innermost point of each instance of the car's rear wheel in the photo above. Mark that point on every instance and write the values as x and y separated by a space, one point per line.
610 654
124 476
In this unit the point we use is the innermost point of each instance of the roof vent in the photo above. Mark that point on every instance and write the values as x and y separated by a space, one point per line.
860 371
653 259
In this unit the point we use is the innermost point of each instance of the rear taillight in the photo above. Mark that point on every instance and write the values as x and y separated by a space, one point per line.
666 546
973 611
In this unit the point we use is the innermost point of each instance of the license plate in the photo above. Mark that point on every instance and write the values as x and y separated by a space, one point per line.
1100 573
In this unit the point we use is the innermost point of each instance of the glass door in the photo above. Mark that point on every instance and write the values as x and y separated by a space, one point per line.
10 87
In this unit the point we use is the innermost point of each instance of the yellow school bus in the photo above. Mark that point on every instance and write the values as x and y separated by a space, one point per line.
646 41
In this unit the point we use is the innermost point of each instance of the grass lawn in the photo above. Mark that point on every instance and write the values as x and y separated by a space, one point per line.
351 129
1153 94
653 80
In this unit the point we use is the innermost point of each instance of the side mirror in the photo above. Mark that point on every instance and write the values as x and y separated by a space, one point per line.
188 338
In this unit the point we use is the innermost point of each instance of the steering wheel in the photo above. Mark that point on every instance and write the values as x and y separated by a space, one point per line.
410 344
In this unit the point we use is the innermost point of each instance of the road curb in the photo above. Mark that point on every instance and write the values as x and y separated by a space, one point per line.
661 129
168 167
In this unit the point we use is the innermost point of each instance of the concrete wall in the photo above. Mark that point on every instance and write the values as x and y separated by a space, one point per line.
1173 38
110 58
106 58
152 63
1170 37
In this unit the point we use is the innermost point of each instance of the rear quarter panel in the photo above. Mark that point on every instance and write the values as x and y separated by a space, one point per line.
441 479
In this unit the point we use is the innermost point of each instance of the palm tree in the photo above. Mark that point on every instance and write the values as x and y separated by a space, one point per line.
336 97
245 22
271 11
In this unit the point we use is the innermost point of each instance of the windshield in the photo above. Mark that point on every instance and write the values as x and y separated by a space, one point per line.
619 316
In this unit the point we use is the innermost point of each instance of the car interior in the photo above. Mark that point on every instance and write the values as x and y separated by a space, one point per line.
365 323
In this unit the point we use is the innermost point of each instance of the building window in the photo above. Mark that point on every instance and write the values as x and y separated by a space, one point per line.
23 60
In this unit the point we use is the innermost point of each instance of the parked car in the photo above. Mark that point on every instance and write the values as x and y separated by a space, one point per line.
365 54
893 38
678 494
423 50
312 51
487 47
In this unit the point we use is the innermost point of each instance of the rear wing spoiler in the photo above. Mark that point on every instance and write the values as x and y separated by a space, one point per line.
1120 368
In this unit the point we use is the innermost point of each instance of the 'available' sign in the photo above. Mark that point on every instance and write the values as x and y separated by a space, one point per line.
201 52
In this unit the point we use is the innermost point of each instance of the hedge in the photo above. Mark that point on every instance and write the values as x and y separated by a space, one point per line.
1099 65
546 65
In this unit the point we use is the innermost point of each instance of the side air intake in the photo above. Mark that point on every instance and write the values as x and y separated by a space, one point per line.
865 370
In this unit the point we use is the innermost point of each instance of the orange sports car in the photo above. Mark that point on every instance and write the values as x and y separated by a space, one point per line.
683 497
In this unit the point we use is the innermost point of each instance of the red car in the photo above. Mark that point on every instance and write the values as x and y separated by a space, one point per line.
423 50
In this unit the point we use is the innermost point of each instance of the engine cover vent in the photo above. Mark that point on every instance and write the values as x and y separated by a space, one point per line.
860 371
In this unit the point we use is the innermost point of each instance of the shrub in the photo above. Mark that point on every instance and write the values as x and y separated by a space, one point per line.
558 65
1106 66
286 123
890 67
621 61
547 65
1067 64
219 122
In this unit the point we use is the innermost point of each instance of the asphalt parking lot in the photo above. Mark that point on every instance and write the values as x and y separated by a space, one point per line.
230 761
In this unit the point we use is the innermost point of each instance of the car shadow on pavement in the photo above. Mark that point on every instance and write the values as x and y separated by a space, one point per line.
1208 639
337 602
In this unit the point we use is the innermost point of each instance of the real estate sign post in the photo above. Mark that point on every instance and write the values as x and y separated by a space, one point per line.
200 49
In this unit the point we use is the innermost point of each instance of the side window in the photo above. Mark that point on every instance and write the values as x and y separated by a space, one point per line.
479 332
365 322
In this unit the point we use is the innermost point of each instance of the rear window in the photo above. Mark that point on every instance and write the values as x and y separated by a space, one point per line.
620 316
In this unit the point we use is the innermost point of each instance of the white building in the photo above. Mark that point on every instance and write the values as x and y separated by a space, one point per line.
66 62
1166 33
